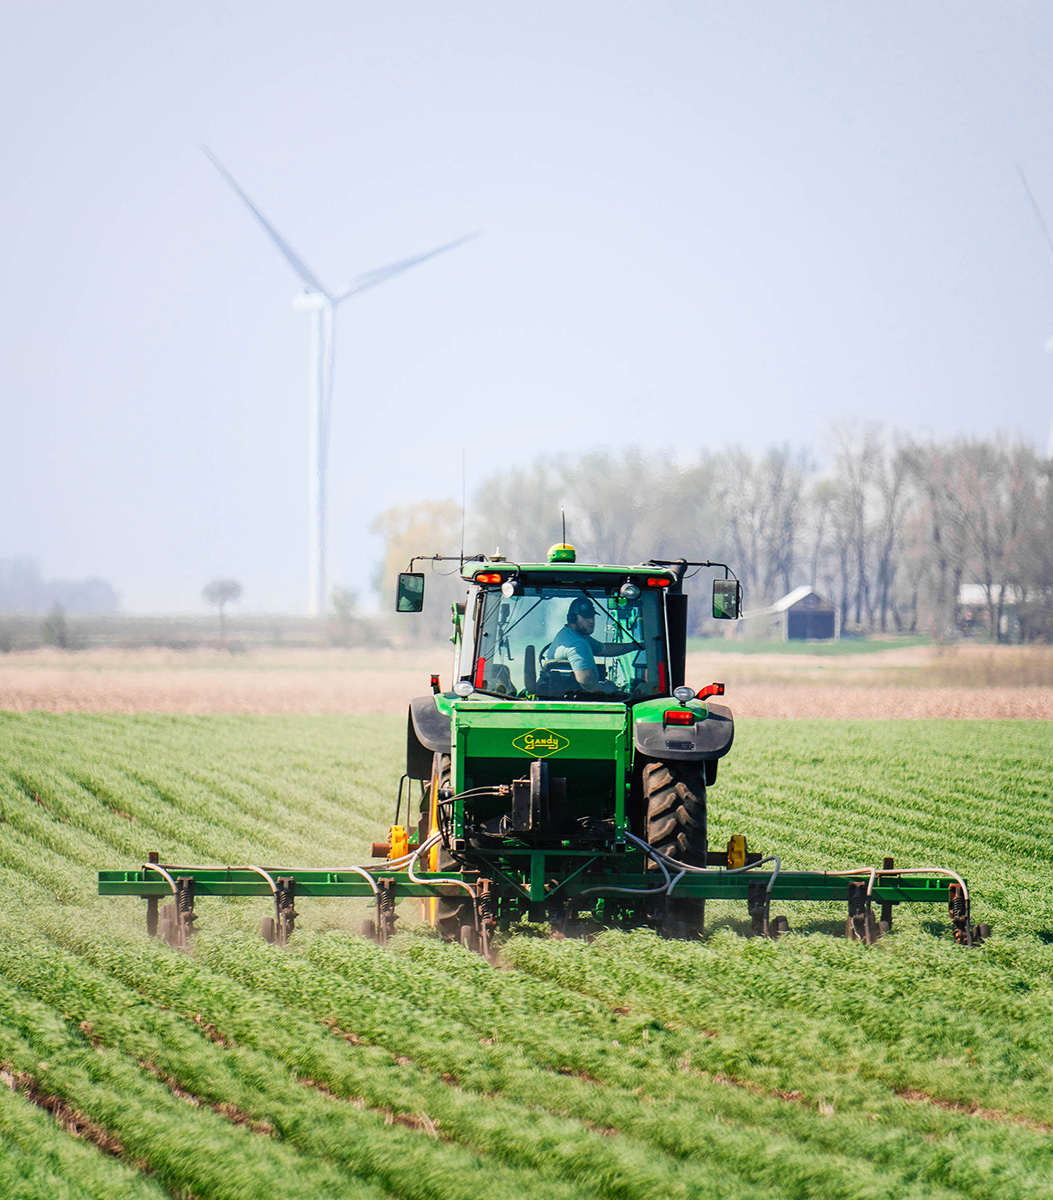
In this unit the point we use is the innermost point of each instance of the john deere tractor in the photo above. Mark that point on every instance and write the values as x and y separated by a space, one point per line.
561 779
568 741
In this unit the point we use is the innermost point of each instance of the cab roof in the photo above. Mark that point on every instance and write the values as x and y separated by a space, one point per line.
564 570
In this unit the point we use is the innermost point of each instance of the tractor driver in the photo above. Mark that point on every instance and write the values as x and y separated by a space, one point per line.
575 645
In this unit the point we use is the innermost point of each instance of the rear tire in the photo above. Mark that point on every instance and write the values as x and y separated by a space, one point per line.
675 798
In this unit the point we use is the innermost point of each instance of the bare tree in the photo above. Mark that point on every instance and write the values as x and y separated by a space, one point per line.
944 536
999 495
345 611
857 458
763 500
1036 610
893 500
619 507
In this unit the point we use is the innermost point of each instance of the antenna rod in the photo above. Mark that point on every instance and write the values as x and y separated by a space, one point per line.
563 513
464 492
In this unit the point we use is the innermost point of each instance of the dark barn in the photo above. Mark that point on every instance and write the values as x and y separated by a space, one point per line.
801 615
810 617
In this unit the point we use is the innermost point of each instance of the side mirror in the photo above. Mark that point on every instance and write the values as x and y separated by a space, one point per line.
727 599
410 597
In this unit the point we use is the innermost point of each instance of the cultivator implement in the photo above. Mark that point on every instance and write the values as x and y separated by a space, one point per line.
587 896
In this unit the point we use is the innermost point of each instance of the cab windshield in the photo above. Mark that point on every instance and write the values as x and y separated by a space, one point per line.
573 642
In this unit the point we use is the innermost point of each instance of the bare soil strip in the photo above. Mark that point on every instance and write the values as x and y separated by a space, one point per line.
974 1110
910 1095
897 683
68 1118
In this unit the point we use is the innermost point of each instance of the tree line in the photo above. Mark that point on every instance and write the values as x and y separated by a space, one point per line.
889 529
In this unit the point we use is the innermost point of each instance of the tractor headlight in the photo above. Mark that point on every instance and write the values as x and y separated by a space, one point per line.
463 687
683 694
629 590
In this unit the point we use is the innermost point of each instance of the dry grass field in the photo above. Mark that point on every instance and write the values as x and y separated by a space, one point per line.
980 682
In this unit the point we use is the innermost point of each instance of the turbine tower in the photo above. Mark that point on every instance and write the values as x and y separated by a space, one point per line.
322 304
1049 246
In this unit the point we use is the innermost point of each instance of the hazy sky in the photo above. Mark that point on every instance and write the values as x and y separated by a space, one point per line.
703 224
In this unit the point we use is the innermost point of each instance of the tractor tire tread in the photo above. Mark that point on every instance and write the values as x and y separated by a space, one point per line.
675 796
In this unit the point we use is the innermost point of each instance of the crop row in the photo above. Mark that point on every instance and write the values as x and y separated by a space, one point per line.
826 794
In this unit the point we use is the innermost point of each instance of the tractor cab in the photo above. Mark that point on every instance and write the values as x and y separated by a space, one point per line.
564 630
544 634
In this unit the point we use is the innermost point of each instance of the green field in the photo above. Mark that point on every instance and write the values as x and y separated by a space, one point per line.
628 1067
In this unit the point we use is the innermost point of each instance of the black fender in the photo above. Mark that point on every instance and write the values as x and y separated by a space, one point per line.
428 732
705 741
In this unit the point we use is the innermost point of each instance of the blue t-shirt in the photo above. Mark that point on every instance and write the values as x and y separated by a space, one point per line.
577 649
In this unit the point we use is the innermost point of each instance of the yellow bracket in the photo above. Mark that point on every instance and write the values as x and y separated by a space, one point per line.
398 842
737 850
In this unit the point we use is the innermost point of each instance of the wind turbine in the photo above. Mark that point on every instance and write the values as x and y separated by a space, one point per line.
1049 245
317 299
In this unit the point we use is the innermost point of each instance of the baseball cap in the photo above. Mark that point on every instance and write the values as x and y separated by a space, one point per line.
581 608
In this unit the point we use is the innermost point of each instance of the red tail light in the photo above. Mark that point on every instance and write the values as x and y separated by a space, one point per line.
713 689
489 577
657 581
678 716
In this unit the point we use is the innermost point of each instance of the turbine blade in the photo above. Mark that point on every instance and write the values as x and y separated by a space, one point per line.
1038 211
370 279
307 276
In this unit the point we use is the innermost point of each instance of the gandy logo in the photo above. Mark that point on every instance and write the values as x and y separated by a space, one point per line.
540 742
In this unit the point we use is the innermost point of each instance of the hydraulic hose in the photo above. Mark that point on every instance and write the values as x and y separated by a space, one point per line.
666 887
696 870
418 852
164 874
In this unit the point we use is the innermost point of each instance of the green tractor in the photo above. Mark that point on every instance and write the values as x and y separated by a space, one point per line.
569 743
561 780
